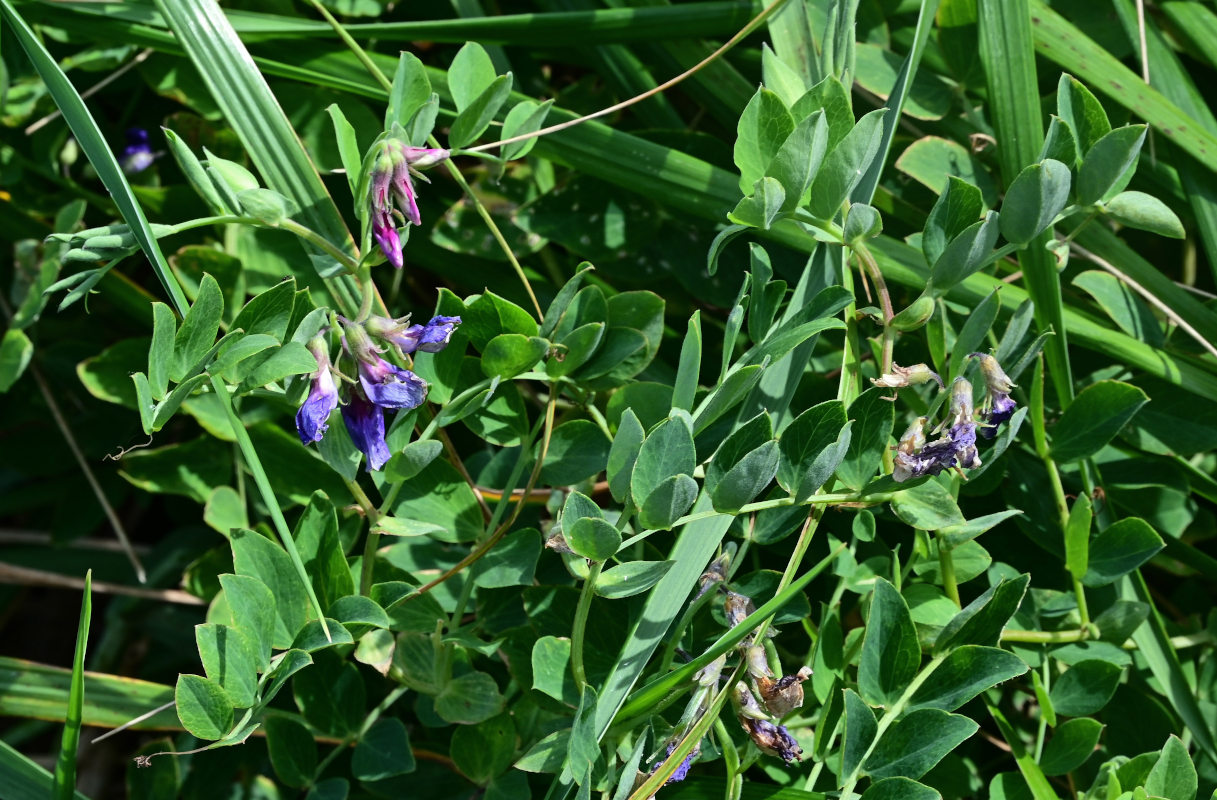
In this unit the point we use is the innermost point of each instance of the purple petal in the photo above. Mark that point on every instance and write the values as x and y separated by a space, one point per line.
311 419
391 387
436 334
366 424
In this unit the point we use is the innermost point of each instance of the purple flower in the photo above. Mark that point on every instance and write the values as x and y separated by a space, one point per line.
429 338
770 737
391 191
365 422
389 386
137 155
682 771
322 397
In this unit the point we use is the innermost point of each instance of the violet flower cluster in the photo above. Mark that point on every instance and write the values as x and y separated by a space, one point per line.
379 386
137 156
391 194
955 448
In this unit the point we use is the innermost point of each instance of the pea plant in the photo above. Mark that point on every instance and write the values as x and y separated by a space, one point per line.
481 436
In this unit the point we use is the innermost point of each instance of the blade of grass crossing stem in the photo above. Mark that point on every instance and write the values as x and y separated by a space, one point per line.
64 779
1060 42
95 148
249 106
1033 776
1007 52
1153 642
1176 85
865 190
656 690
22 779
695 546
268 496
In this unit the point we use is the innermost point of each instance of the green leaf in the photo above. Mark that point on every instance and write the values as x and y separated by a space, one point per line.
1122 304
198 331
1082 111
512 562
1038 194
667 451
160 355
1105 165
797 161
489 315
805 442
253 613
269 313
890 652
966 253
469 75
1077 537
689 367
630 578
1119 550
259 557
1094 418
229 661
863 222
900 789
411 90
1060 143
761 208
16 350
1085 688
873 418
578 450
860 729
203 707
473 120
965 673
359 614
668 502
763 127
746 479
469 699
1071 745
623 454
1144 212
958 207
313 637
917 742
927 507
413 459
982 620
348 147
1173 777
525 117
594 539
509 354
382 752
485 750
730 392
845 165
293 753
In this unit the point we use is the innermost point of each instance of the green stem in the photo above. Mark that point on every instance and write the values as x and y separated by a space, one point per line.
250 454
730 759
581 612
794 562
946 563
1042 729
320 242
1044 637
372 544
889 716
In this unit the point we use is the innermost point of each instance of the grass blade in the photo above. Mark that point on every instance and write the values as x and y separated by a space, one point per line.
1007 51
1154 644
249 106
91 141
40 691
22 779
64 780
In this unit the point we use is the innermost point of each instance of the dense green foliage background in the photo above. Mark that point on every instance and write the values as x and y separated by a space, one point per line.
656 416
